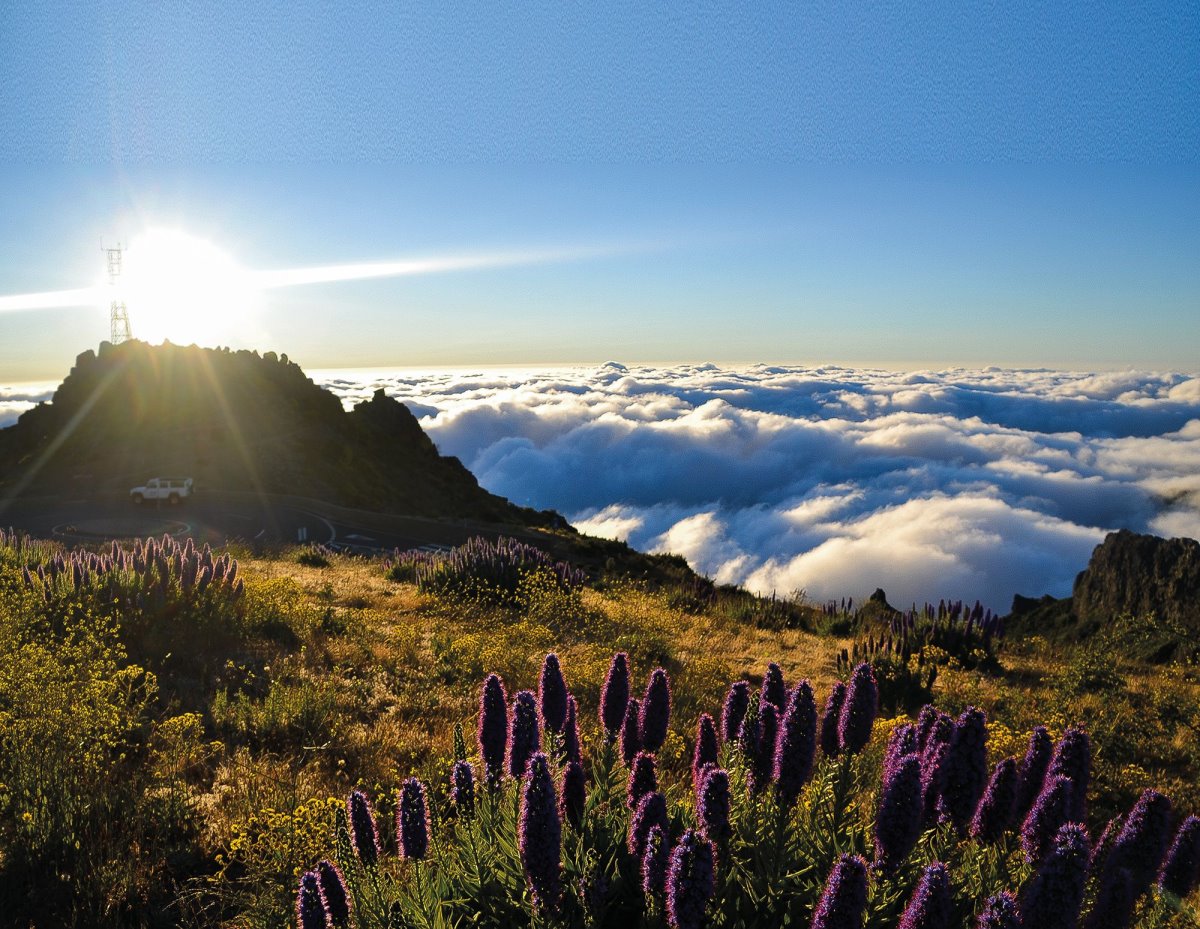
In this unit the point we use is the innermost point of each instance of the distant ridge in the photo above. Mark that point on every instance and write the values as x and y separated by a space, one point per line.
235 421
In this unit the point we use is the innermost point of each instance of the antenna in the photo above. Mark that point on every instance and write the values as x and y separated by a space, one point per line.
118 315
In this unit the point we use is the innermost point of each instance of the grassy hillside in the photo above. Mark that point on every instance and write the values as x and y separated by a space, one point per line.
180 729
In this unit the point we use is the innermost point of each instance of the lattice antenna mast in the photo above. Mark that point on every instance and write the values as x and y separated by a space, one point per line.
118 314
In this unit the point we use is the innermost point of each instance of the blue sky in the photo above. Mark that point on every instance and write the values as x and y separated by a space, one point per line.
793 183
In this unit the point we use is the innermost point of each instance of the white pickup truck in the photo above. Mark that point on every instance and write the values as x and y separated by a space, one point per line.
172 489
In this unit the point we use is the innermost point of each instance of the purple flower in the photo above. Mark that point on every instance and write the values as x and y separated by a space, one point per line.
993 816
706 749
1032 773
925 721
845 897
773 690
462 788
333 893
656 711
1050 813
310 911
363 831
631 742
966 767
540 834
643 779
493 728
652 811
614 698
934 758
524 739
654 862
571 750
1181 868
750 734
830 716
1073 759
412 820
929 907
1000 912
1143 840
713 805
904 740
1115 900
1052 898
552 694
898 819
737 701
797 744
764 756
1104 844
573 797
859 707
690 881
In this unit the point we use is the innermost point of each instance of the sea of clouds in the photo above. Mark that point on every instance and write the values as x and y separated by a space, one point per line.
831 480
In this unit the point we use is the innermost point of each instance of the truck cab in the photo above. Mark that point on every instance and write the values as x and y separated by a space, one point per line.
173 490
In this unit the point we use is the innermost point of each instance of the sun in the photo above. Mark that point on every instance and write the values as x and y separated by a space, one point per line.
180 287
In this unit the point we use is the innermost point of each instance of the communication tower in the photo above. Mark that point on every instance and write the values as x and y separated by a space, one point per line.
118 314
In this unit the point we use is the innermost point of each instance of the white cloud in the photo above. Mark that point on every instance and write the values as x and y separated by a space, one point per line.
973 484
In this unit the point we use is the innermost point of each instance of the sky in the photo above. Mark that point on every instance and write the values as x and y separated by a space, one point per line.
792 183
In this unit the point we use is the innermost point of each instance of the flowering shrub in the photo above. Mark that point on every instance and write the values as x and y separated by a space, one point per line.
762 829
491 572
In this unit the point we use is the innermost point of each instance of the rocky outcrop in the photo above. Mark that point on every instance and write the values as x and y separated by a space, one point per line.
1140 575
235 421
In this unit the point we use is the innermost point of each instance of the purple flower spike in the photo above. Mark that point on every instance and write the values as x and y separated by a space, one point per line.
1115 900
573 797
363 831
656 711
1050 813
904 740
571 750
412 820
966 768
898 820
333 893
540 835
764 757
1073 759
631 742
1000 912
797 744
1032 771
1181 868
690 881
652 811
859 708
845 897
706 749
929 907
654 862
737 701
552 695
462 788
1143 840
830 742
524 739
925 720
1052 898
773 689
310 911
493 728
643 779
934 763
713 806
614 698
993 816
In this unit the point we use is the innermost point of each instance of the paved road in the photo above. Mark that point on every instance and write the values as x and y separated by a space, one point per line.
218 517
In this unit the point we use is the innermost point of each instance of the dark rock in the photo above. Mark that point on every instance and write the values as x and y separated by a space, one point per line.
1140 575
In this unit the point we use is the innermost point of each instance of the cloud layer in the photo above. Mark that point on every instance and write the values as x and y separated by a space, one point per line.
976 484
834 481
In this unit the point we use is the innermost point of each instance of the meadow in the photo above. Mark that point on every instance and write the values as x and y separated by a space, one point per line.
192 738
